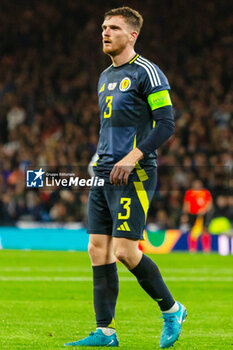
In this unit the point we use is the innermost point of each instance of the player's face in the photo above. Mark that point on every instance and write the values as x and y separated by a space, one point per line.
116 34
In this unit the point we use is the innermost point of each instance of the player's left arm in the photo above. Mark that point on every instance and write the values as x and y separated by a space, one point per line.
122 169
163 116
162 113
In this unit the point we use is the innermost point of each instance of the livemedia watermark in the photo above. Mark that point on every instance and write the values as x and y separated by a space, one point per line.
41 178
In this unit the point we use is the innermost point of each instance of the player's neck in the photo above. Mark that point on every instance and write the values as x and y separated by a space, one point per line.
123 58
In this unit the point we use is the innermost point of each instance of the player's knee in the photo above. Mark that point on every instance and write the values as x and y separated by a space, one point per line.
96 252
122 255
92 250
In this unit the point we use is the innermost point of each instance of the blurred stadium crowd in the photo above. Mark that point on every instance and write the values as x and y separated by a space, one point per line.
51 57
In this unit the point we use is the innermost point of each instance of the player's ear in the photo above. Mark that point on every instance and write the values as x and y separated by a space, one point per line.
134 35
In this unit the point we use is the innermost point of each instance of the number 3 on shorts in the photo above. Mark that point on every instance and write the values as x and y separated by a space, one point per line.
126 206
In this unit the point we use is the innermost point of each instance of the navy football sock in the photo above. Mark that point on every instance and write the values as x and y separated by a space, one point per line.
105 291
150 279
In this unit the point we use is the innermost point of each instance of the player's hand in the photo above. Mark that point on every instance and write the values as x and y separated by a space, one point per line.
122 169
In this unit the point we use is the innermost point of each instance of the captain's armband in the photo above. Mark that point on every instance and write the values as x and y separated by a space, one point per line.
159 99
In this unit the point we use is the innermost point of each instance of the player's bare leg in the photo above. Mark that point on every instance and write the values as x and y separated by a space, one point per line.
100 249
126 250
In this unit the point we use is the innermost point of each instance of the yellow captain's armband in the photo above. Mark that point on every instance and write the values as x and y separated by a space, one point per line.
159 99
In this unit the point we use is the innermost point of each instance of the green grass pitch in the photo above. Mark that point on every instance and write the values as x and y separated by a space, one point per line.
46 300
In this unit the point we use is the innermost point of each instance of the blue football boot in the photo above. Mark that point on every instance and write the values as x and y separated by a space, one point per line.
97 338
172 323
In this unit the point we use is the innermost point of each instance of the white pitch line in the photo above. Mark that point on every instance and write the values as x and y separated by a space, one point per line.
123 279
44 269
74 269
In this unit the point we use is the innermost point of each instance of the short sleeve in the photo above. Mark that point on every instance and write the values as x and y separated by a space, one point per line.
150 78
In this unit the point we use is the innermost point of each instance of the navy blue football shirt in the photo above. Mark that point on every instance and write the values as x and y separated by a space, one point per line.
127 96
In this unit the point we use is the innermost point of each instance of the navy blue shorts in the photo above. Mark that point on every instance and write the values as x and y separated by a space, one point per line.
121 211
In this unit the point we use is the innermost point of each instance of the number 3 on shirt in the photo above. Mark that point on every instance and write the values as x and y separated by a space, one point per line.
109 105
126 206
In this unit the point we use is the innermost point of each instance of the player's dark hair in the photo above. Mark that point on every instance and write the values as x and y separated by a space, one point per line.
131 16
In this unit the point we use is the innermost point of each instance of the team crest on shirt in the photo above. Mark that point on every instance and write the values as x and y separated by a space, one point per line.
125 84
111 86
